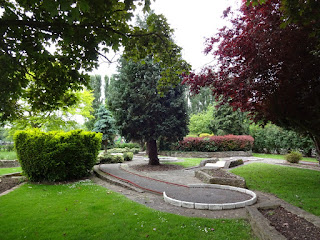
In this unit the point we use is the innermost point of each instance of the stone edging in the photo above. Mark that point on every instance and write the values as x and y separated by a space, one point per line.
209 206
11 189
261 226
9 163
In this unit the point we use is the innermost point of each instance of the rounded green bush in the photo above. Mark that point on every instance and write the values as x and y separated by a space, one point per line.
293 157
128 156
110 158
56 156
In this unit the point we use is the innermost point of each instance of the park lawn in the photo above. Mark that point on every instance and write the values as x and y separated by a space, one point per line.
278 156
84 210
8 155
297 186
10 170
189 162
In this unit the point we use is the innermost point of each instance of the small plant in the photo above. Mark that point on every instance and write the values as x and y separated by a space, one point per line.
293 157
128 156
110 158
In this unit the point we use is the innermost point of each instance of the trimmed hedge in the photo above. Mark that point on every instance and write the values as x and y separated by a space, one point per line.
215 143
57 155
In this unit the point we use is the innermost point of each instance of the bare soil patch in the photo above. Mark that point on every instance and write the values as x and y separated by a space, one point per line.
290 225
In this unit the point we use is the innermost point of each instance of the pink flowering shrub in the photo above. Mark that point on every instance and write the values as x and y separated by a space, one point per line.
215 143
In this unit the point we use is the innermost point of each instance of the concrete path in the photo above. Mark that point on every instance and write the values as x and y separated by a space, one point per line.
179 187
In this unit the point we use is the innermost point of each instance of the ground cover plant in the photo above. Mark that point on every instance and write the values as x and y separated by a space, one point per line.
297 186
4 155
4 171
84 210
278 156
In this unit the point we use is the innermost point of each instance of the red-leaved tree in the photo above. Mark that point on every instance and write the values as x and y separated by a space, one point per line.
266 70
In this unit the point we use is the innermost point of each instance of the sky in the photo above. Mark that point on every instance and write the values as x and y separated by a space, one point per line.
193 22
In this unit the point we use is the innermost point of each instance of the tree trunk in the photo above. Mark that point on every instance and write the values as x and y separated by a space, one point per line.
152 152
316 140
105 144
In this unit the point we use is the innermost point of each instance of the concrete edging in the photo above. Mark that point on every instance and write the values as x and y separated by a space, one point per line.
210 206
261 226
102 175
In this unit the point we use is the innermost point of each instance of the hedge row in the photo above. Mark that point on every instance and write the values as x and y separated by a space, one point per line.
215 143
57 156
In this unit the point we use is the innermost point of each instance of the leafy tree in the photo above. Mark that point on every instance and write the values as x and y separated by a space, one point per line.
140 112
105 125
81 31
227 121
303 13
95 85
201 122
156 39
266 70
273 139
200 102
62 119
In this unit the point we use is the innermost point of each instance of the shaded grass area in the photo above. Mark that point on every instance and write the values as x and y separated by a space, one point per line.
299 187
278 156
84 210
9 170
189 162
8 155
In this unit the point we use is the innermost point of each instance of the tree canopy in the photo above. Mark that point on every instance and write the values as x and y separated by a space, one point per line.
105 124
81 31
140 112
266 70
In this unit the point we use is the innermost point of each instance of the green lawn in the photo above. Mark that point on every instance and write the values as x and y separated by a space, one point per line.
8 155
87 211
9 170
299 187
278 156
189 162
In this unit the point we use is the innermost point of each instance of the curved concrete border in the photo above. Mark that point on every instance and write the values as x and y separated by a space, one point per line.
210 206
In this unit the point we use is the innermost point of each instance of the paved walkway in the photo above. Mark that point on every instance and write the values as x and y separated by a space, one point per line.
174 190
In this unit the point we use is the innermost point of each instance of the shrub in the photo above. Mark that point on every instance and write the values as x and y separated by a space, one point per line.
215 144
294 157
123 150
127 145
273 139
205 135
56 156
128 156
110 158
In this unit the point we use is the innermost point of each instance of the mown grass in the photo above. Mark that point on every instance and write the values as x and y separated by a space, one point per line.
278 156
299 187
8 155
9 170
86 211
188 162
